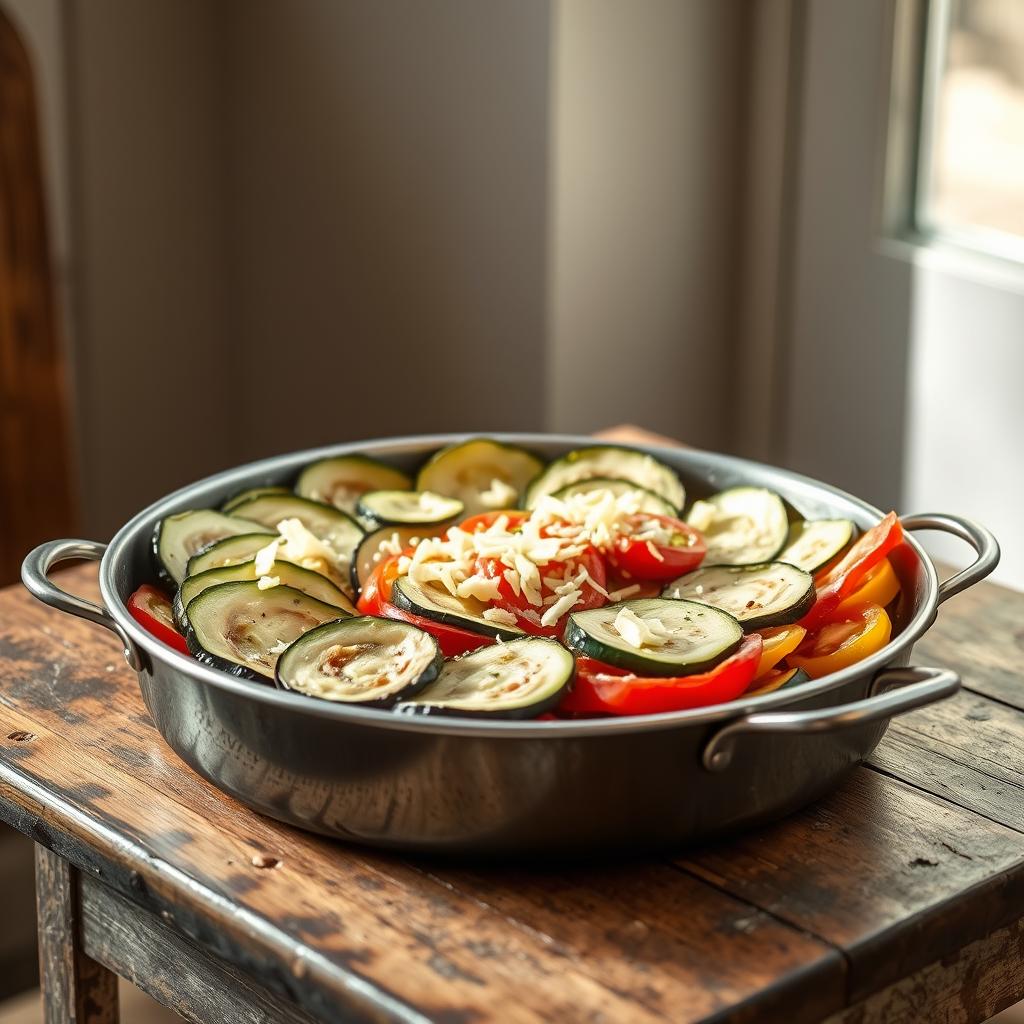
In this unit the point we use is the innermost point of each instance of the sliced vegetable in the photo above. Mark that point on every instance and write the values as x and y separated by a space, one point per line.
812 544
772 594
879 586
843 641
229 551
608 461
778 642
741 526
647 501
654 636
151 609
251 492
520 679
243 630
605 689
363 660
453 641
339 481
432 601
840 582
177 538
658 548
309 582
381 544
401 508
778 679
483 474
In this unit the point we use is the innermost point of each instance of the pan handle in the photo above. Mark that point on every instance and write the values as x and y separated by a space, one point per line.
35 572
916 687
985 545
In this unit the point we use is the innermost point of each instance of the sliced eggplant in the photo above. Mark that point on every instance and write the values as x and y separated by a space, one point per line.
309 582
229 551
177 538
407 508
341 480
484 475
381 544
741 526
329 524
655 637
432 601
365 660
251 492
812 544
772 594
779 679
520 679
608 461
241 629
647 501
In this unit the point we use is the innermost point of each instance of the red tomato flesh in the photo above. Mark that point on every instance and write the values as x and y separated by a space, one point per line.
151 609
648 560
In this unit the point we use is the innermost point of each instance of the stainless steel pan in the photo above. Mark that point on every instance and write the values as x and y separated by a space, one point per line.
465 786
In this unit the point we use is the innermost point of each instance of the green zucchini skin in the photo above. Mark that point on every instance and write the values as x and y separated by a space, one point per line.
251 492
493 663
372 509
588 633
411 597
240 548
830 547
726 582
767 531
363 629
338 480
172 565
608 461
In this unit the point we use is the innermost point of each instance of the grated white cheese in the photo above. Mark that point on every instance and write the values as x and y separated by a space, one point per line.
499 616
638 632
268 582
264 560
279 647
499 495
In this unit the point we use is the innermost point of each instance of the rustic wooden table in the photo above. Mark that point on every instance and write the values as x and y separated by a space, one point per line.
899 898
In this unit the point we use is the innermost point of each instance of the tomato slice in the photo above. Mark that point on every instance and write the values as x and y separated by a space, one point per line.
605 689
650 560
151 609
778 642
849 573
452 640
376 591
484 520
843 641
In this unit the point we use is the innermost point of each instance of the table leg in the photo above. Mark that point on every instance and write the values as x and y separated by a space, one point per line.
76 989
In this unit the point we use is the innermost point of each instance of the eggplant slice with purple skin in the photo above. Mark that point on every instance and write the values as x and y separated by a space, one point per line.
364 660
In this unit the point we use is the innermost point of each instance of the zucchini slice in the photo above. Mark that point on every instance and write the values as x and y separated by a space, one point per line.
648 501
741 526
177 538
363 660
655 637
772 594
484 475
341 480
290 575
402 508
243 630
381 544
779 679
521 679
432 601
251 492
608 461
813 544
229 551
329 524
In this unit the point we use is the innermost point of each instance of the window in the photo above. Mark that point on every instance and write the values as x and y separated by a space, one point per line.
971 155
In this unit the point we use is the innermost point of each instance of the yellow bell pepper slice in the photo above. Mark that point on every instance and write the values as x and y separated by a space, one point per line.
880 586
844 642
778 642
772 682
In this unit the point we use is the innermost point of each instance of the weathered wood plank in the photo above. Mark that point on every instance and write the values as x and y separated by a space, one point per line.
76 989
200 988
970 986
336 928
892 876
969 750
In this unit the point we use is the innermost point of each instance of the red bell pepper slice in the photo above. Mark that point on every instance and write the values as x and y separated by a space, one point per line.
841 581
681 555
151 609
609 690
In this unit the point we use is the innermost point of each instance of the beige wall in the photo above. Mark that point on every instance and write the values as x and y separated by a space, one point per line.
312 221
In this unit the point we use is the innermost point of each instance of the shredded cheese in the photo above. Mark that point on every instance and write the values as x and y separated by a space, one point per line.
268 582
638 632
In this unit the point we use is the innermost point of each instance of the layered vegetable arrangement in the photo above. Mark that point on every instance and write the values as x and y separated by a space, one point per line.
497 585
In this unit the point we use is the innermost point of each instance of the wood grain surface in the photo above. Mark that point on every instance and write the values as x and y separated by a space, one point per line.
898 892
